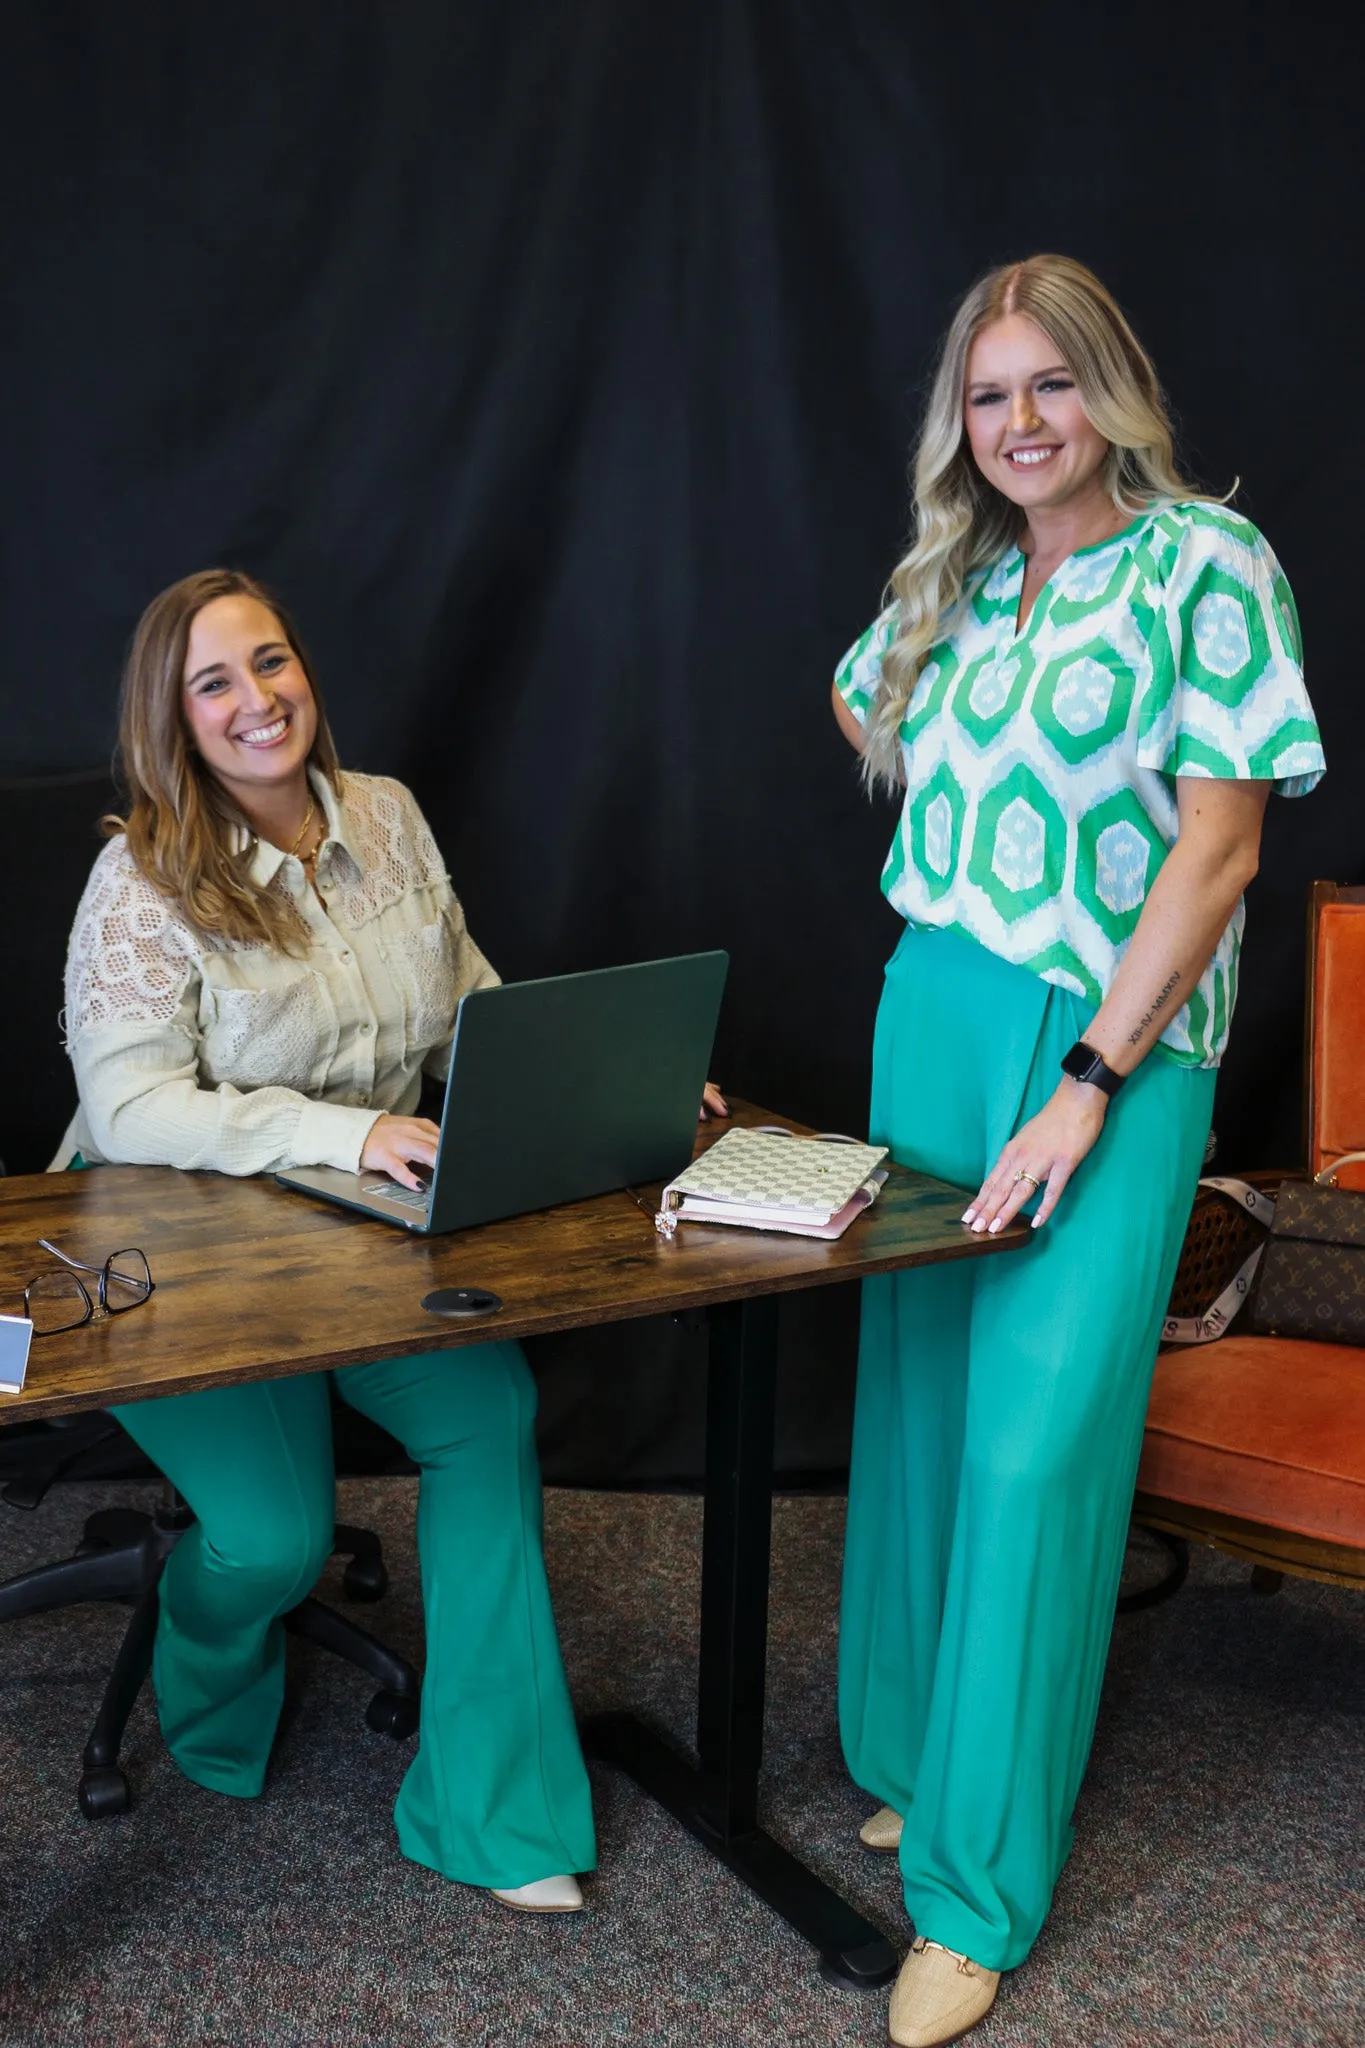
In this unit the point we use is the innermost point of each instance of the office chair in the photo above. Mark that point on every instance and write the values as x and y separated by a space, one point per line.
120 1557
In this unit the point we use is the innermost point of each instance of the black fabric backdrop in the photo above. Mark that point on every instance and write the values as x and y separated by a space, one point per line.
557 362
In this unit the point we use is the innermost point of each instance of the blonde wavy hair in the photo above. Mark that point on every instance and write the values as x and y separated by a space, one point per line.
961 521
183 830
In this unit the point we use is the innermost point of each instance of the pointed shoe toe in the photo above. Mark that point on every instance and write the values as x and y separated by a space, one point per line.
543 1895
882 1831
939 1996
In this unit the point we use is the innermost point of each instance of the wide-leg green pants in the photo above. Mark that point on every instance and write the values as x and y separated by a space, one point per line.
999 1419
497 1793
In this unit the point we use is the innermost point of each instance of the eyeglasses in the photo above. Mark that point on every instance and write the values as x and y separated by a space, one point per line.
61 1301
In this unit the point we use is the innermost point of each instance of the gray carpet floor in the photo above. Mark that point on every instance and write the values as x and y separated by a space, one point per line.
1214 1895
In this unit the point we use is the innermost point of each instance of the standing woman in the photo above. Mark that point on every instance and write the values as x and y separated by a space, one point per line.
1086 686
266 960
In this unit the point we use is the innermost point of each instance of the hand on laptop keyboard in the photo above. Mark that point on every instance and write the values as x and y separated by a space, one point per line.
400 1146
411 1198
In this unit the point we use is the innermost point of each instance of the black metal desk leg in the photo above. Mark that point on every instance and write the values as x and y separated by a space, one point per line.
719 1802
736 1548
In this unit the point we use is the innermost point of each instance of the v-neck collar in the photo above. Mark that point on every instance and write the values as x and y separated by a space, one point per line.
1015 565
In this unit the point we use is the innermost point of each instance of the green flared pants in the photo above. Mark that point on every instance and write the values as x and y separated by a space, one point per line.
497 1793
998 1424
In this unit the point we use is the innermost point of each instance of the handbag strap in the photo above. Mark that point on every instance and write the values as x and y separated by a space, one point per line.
1246 1197
1328 1174
1214 1321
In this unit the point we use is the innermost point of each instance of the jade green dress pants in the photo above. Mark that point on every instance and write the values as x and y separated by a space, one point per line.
999 1418
497 1793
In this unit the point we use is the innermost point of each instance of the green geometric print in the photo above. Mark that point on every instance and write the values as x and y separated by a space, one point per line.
1040 767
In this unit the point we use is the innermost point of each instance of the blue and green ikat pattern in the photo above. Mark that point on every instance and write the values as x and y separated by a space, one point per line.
1041 766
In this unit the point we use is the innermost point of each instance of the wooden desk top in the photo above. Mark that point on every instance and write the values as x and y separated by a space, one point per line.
254 1281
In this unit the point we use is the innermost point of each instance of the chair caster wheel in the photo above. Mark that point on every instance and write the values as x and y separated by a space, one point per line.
365 1578
103 1792
389 1713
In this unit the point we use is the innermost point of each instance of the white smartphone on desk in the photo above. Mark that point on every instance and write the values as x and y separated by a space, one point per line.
16 1334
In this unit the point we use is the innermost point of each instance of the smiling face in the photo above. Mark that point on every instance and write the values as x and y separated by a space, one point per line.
247 701
1028 430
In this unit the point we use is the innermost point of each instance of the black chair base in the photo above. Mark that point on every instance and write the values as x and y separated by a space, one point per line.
1173 1578
121 1556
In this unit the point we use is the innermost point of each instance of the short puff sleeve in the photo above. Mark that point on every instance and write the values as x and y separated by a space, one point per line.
858 676
1226 697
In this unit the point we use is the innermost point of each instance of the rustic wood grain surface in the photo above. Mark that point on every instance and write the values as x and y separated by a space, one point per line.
254 1281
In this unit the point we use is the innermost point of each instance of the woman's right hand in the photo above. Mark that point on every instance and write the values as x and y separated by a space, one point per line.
394 1140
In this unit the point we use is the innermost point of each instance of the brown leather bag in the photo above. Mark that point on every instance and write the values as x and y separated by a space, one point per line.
1311 1281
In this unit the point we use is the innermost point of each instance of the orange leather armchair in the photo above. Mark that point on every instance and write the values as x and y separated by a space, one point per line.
1256 1445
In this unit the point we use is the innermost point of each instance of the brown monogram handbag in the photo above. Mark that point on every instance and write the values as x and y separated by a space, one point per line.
1312 1277
1302 1261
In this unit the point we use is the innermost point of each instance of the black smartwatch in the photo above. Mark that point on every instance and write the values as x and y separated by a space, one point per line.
1083 1063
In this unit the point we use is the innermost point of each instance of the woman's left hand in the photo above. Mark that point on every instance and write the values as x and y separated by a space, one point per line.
713 1103
1046 1151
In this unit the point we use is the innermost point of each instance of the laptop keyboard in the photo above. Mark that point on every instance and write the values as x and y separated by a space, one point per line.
411 1198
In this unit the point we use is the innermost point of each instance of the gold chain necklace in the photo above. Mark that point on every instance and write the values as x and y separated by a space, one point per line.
303 828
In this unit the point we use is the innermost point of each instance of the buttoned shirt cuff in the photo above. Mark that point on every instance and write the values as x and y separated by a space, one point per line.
329 1134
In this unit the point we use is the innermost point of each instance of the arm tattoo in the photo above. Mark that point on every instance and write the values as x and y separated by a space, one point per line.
1136 1037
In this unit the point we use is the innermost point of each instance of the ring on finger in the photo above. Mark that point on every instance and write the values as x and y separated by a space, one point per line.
1031 1178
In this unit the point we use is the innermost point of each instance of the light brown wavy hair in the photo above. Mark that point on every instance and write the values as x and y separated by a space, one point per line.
961 521
183 830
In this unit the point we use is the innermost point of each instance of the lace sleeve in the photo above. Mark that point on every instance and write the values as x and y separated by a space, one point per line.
133 1035
397 849
130 959
422 858
471 971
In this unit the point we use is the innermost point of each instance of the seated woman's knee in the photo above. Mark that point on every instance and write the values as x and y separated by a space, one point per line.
281 1553
480 1395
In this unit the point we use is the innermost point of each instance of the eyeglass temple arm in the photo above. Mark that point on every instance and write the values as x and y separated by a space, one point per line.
80 1267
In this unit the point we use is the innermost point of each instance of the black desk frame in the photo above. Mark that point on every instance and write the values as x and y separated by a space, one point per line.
717 1799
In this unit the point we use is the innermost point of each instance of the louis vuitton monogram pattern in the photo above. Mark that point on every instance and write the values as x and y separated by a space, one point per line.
1312 1279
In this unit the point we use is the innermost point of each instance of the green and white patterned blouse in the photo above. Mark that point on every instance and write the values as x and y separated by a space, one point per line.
1040 765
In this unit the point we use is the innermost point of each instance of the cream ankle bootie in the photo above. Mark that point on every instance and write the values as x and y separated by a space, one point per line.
939 1996
882 1831
543 1895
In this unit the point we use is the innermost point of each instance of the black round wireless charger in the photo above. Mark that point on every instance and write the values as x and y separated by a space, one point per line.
461 1301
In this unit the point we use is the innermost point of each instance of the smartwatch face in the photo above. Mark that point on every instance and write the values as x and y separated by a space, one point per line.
1083 1063
1079 1062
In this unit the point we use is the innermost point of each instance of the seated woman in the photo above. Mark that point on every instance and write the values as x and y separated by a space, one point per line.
266 960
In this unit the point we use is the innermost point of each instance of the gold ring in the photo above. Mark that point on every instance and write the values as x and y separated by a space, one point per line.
1030 1178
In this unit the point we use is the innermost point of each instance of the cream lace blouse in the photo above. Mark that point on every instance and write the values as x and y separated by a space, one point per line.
237 1058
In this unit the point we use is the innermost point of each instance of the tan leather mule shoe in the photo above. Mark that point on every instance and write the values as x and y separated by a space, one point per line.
543 1895
883 1831
939 1996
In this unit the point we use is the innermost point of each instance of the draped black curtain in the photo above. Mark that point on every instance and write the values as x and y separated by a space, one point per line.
557 363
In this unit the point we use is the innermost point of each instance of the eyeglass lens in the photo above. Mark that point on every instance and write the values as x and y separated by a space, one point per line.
56 1301
127 1281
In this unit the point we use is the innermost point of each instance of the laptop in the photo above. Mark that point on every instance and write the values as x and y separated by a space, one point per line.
558 1089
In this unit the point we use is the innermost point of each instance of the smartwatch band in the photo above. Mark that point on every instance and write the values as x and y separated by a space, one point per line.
1083 1063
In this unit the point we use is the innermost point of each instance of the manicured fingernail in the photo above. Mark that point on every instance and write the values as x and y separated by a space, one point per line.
969 1216
998 1224
980 1223
1036 1221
